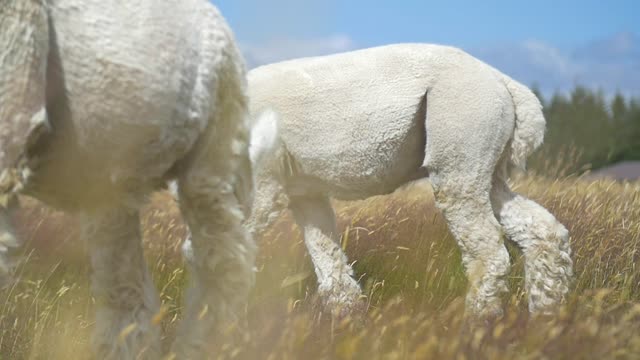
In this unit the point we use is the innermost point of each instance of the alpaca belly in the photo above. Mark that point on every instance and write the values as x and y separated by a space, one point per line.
109 160
379 164
69 179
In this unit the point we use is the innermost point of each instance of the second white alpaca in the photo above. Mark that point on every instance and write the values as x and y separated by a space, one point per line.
363 123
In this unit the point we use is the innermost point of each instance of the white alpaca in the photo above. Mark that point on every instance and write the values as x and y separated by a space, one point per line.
102 102
364 123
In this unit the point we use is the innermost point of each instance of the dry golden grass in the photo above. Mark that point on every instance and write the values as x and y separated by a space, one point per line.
407 263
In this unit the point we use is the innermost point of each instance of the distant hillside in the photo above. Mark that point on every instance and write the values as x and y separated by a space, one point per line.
626 170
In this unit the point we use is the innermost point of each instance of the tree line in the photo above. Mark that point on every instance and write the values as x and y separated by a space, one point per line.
587 130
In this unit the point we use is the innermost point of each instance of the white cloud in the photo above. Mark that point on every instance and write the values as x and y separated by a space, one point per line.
548 57
609 64
288 48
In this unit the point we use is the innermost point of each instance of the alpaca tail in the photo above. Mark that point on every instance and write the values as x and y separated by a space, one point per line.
264 137
263 142
530 123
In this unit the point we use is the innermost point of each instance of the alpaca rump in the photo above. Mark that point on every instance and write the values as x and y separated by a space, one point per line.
366 122
102 103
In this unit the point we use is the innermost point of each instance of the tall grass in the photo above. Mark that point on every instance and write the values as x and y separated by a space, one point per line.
406 261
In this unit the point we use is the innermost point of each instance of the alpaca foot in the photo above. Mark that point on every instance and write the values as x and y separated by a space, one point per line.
342 297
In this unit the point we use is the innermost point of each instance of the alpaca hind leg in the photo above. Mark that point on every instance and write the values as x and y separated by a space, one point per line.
221 260
215 188
544 242
484 255
469 121
336 285
121 283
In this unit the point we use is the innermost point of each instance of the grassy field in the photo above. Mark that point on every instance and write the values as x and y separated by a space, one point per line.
406 261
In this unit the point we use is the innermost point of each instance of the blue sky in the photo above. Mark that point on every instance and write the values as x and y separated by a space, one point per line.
555 44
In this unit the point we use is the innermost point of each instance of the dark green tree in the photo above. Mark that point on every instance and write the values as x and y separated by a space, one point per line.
587 131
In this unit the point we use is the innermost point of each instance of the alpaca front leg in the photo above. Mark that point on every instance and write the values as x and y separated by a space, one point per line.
125 295
336 285
8 240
